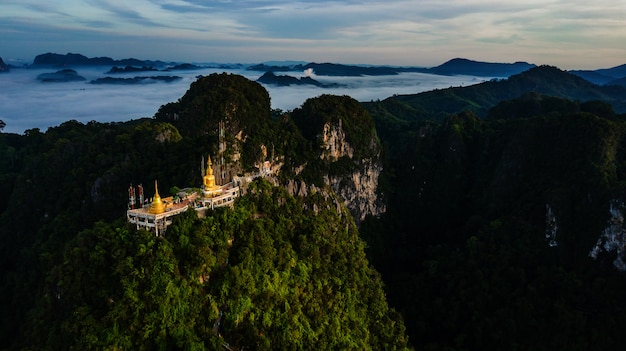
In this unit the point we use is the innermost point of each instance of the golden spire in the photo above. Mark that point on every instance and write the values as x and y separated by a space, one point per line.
157 206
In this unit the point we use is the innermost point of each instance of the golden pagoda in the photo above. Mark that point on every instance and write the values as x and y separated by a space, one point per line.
157 206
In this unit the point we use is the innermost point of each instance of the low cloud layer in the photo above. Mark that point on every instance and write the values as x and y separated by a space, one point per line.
27 103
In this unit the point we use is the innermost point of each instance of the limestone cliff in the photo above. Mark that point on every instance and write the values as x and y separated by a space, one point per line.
348 149
613 238
359 190
329 145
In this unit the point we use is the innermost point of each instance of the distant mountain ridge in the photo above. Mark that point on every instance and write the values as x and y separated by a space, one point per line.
605 76
285 80
479 98
52 59
460 66
457 66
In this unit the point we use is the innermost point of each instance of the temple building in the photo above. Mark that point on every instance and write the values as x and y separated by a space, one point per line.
157 214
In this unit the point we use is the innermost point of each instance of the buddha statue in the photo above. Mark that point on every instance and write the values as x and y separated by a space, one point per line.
209 178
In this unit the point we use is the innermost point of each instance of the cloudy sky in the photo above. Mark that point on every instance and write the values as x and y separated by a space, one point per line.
570 34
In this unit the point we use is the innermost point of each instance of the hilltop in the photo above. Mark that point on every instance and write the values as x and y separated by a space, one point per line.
285 80
284 268
460 66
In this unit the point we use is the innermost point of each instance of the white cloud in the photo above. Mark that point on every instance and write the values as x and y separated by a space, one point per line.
398 31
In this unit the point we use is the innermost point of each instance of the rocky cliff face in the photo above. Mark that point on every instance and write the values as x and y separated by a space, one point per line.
357 187
330 143
613 238
334 145
359 190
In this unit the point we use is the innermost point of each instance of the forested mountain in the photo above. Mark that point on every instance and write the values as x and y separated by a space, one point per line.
506 231
482 69
457 66
493 214
277 271
479 98
605 76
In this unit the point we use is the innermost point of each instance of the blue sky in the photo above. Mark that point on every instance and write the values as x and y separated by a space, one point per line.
570 34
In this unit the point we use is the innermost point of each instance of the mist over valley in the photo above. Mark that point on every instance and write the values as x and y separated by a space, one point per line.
26 102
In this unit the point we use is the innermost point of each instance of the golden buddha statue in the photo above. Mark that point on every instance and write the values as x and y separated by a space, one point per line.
209 178
157 206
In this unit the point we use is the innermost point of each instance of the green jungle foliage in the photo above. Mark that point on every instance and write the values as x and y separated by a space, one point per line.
342 113
462 247
218 97
74 276
480 98
345 111
270 274
240 104
59 183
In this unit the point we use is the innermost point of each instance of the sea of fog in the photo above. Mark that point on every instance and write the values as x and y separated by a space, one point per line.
27 103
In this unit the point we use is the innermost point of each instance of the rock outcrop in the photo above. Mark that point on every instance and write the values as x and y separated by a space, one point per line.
348 148
3 66
135 80
334 145
62 76
338 149
285 80
356 190
613 238
359 190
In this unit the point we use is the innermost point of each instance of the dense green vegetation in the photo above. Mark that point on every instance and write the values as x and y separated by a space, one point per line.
344 111
462 250
275 272
462 247
60 182
241 105
270 274
480 98
340 113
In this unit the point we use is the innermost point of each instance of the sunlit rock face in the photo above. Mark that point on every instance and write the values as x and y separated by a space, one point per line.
613 238
356 188
359 191
334 142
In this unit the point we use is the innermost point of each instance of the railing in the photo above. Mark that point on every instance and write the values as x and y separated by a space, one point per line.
225 199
